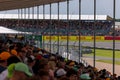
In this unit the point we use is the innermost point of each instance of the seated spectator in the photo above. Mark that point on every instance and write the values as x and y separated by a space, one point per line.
72 74
71 64
21 72
63 78
21 55
30 62
3 60
44 75
52 67
85 77
3 64
10 70
52 63
60 72
41 64
12 59
14 52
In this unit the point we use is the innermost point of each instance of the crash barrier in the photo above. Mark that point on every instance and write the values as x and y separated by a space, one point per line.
76 38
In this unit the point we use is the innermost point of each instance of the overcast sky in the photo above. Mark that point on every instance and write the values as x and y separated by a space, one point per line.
104 7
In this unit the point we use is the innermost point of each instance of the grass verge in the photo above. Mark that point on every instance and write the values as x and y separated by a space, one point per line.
109 61
105 53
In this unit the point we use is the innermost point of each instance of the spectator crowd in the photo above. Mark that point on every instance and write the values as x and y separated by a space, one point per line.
22 61
61 27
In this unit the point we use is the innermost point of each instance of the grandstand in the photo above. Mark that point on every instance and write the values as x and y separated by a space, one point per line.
103 24
65 35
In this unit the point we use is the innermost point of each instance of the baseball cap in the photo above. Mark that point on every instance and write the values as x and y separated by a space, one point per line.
14 52
23 68
10 70
4 55
72 63
75 68
85 76
61 72
31 58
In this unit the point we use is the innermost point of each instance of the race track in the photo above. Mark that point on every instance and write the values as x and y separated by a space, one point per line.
106 45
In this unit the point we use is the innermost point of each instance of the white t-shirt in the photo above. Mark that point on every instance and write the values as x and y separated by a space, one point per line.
3 75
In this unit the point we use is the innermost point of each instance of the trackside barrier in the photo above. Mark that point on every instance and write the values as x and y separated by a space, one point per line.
83 38
73 52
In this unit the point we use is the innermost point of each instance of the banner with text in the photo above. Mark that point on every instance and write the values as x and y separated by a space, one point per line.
72 38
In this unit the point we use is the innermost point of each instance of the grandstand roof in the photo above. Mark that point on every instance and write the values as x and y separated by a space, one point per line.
4 30
16 4
54 17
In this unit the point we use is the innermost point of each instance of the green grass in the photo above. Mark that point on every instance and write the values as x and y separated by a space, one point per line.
109 61
105 53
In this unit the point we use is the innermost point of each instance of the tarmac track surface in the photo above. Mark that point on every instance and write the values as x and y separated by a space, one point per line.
106 45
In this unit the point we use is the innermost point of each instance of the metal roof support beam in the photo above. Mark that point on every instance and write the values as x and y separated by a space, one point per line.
67 28
79 48
58 27
43 42
18 4
114 14
94 34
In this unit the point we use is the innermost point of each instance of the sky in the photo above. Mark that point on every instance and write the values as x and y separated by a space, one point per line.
103 7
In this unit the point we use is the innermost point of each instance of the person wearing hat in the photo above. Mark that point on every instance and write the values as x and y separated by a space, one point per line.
60 73
14 52
21 72
10 61
85 76
3 60
71 64
10 70
3 64
21 55
30 62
